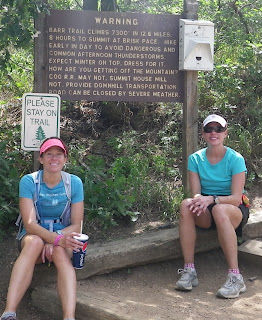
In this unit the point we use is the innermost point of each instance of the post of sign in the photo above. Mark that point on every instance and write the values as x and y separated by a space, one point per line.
90 5
190 108
40 63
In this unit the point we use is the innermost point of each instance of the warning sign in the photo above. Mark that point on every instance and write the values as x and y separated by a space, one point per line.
40 119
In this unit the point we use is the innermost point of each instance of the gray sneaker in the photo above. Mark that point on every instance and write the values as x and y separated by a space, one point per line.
187 280
232 287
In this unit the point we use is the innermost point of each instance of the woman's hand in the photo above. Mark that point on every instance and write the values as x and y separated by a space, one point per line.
47 252
199 204
68 241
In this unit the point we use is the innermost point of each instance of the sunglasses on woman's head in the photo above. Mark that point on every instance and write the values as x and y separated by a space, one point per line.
218 129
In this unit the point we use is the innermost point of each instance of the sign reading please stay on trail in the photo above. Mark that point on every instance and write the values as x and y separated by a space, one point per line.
40 119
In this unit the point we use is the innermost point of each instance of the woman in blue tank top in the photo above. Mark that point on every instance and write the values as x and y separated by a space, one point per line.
44 237
217 176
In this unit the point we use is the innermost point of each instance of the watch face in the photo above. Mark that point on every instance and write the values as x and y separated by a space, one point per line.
216 200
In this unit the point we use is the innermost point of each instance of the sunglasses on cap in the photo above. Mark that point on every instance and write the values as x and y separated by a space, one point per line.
218 129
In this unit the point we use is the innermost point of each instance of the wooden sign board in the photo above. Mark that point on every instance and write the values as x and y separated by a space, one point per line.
112 56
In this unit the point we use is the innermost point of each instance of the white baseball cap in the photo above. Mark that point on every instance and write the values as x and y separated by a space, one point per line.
215 118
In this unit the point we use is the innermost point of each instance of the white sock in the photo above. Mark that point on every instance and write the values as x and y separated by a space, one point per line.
8 314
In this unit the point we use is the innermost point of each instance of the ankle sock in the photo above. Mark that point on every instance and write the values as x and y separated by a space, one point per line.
189 265
234 271
8 314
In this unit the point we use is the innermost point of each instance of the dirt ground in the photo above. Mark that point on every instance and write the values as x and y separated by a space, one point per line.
147 292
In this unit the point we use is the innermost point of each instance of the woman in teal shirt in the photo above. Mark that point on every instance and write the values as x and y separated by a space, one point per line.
44 237
217 176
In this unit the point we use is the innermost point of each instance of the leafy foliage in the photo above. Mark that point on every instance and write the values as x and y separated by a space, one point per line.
152 6
139 178
17 39
18 76
9 187
17 28
13 164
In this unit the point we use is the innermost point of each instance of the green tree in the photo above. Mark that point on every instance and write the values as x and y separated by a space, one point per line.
40 134
17 27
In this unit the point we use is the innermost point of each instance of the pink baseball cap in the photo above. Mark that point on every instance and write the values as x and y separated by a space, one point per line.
52 143
215 118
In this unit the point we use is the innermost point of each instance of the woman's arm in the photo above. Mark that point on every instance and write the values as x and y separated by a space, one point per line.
77 215
28 214
237 187
194 183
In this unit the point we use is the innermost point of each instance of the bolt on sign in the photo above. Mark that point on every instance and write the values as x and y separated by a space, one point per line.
113 56
40 119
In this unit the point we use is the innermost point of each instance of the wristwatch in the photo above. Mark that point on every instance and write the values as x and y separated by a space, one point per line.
59 232
216 199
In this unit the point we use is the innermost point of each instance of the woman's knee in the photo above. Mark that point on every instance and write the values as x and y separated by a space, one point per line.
223 213
184 209
61 256
32 243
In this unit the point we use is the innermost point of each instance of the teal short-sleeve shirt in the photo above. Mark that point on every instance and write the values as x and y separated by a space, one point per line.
216 179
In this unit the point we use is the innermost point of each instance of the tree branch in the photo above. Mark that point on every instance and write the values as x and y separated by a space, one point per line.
80 6
248 5
241 16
